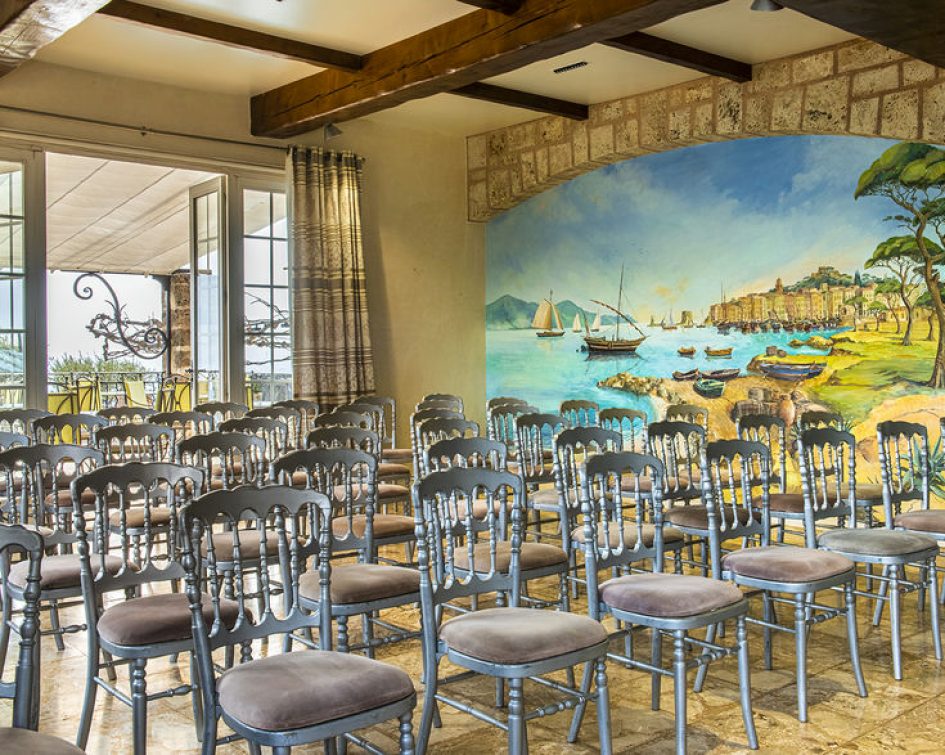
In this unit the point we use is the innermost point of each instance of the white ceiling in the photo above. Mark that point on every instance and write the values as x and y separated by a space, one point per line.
112 45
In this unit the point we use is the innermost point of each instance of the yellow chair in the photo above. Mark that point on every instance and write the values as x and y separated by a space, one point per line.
175 395
61 402
135 394
88 395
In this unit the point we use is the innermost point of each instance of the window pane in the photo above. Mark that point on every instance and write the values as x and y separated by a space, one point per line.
256 220
256 260
279 224
280 263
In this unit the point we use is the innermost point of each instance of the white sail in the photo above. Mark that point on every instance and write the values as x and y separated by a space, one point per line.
556 317
596 325
576 327
542 319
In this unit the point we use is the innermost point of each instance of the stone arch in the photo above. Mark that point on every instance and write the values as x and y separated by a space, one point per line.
857 88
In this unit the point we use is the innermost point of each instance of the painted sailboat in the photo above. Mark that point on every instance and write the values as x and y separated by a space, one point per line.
669 325
653 322
615 344
576 326
595 326
547 319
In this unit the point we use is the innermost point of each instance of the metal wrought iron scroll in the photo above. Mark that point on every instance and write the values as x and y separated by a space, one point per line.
145 339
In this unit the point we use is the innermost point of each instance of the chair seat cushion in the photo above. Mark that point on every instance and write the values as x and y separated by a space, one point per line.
360 583
932 520
392 469
531 556
61 571
157 618
62 499
875 542
629 484
479 507
786 563
26 742
630 533
249 545
385 525
385 491
696 516
134 517
308 687
869 491
788 503
544 498
668 595
397 455
520 635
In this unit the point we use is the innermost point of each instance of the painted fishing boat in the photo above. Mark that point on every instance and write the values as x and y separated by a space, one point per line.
788 371
687 351
614 344
687 375
576 327
710 352
709 388
719 374
595 326
547 320
669 325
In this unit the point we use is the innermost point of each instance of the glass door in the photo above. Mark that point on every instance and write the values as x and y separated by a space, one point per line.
207 242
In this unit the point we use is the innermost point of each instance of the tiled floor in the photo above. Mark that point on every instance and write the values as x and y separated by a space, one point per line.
896 716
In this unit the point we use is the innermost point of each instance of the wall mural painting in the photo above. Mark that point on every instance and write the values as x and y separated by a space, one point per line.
778 275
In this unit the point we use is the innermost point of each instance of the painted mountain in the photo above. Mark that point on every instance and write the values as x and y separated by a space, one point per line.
510 313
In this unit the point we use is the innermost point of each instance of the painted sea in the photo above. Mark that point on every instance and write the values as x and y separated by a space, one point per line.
546 371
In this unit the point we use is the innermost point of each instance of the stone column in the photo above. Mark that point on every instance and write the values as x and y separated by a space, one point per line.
179 320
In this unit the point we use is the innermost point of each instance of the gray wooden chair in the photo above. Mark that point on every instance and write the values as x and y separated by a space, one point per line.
24 689
771 431
308 410
123 415
535 464
391 451
456 401
21 420
387 470
222 410
344 418
42 502
694 413
135 441
421 416
580 413
435 429
227 459
828 478
741 511
668 604
9 439
812 419
138 628
630 423
460 557
273 431
293 698
291 418
75 429
500 423
185 423
348 478
465 452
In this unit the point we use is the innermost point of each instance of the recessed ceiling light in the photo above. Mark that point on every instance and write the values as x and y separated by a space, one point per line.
571 67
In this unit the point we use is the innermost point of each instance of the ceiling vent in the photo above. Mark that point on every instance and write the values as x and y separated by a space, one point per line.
571 67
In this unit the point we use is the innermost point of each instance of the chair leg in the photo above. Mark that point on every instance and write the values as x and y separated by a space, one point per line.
56 625
5 617
744 681
894 621
679 688
253 747
883 594
933 601
769 617
603 708
91 687
429 703
852 637
367 633
406 734
342 633
139 705
800 651
578 718
703 670
656 659
517 744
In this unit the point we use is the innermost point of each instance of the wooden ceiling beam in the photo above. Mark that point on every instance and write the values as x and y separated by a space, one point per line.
232 36
468 49
681 55
26 26
507 7
914 27
537 102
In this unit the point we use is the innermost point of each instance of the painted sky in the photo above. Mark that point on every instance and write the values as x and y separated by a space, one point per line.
688 221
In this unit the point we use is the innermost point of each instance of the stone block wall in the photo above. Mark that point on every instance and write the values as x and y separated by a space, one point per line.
855 88
180 323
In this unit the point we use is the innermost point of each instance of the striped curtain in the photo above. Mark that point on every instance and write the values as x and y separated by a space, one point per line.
332 360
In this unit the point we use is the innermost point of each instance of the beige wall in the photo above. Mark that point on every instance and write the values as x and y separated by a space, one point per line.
425 263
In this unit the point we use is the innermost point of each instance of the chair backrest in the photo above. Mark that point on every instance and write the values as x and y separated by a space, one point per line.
389 434
535 435
67 428
814 419
622 514
694 413
374 412
630 423
421 416
345 437
308 411
227 459
439 428
678 445
20 420
35 486
501 423
448 525
175 395
904 462
827 459
135 442
348 478
23 690
438 403
735 508
457 401
123 415
772 431
298 521
496 401
581 413
291 418
465 452
344 418
9 439
185 423
222 410
572 449
88 395
273 431
114 489
135 393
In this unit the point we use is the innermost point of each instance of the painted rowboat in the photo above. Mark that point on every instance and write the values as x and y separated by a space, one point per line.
719 374
687 375
786 371
687 351
709 388
710 352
